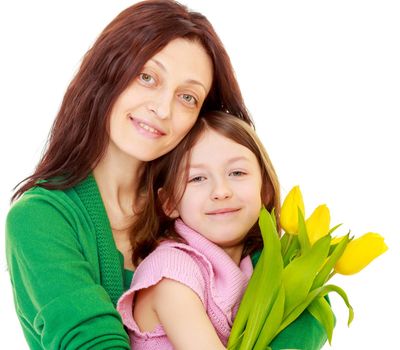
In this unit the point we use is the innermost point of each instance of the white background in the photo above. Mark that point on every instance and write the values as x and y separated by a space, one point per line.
322 82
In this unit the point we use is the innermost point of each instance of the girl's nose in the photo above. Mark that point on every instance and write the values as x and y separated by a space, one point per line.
221 190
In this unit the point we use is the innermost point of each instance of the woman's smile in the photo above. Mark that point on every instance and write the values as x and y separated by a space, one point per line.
145 128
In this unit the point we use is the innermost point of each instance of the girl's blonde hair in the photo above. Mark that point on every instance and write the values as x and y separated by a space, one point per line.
170 173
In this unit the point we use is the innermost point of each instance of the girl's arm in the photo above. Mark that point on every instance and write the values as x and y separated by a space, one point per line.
183 317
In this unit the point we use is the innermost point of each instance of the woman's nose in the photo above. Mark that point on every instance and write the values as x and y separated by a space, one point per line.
161 105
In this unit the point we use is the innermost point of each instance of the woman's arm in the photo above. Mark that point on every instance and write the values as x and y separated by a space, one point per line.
183 317
52 261
306 333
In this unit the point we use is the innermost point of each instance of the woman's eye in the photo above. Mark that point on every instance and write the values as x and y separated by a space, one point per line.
146 78
197 179
189 99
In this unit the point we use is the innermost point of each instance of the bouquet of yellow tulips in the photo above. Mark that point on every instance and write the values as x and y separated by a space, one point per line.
292 273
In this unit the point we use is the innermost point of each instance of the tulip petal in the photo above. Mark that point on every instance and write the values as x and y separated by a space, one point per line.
360 252
289 210
318 223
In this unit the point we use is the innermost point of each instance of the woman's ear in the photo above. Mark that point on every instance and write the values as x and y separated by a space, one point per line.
168 209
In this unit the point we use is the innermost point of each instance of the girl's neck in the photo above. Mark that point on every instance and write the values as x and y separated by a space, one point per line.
235 253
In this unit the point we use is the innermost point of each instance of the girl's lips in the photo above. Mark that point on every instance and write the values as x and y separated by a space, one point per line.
223 211
145 128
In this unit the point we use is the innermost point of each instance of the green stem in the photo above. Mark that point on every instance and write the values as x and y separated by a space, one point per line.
289 241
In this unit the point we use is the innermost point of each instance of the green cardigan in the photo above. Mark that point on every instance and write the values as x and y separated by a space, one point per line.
67 274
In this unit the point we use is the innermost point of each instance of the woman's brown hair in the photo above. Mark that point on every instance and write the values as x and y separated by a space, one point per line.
170 173
79 136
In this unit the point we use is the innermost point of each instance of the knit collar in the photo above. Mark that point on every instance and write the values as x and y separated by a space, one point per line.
111 267
228 280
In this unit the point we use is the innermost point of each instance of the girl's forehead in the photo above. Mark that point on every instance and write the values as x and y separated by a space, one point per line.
212 146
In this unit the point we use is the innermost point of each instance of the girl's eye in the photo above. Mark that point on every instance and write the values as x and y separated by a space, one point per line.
197 179
189 99
237 173
146 78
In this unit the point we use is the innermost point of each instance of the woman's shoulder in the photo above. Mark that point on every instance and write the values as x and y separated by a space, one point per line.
41 207
39 200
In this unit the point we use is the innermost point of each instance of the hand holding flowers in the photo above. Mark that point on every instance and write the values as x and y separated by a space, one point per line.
292 273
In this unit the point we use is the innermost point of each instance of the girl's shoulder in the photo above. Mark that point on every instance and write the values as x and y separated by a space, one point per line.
170 260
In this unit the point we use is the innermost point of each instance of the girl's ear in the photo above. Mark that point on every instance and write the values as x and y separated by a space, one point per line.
168 209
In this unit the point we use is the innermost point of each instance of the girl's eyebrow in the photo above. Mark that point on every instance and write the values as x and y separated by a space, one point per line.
228 161
188 81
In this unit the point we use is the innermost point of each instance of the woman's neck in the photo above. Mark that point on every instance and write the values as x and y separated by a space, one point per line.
118 176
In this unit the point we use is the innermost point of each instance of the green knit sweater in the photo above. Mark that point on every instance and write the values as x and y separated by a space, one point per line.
67 274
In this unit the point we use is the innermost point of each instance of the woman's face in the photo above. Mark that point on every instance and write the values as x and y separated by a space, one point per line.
159 107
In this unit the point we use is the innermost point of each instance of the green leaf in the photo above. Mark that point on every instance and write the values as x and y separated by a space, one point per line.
316 293
291 249
299 274
285 242
273 217
334 228
325 273
269 282
246 306
322 311
303 236
272 322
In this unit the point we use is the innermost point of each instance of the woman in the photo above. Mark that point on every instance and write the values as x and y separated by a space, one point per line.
138 91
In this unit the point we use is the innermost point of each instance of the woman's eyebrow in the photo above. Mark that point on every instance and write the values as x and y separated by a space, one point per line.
188 81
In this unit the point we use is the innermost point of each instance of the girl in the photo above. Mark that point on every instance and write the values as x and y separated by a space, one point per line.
195 235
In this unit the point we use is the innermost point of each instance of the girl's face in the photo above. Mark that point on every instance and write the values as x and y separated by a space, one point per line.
159 107
222 199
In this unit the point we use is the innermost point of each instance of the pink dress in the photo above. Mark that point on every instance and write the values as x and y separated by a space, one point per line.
202 266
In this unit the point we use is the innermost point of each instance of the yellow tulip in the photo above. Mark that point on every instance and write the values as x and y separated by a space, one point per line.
289 210
318 223
360 252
